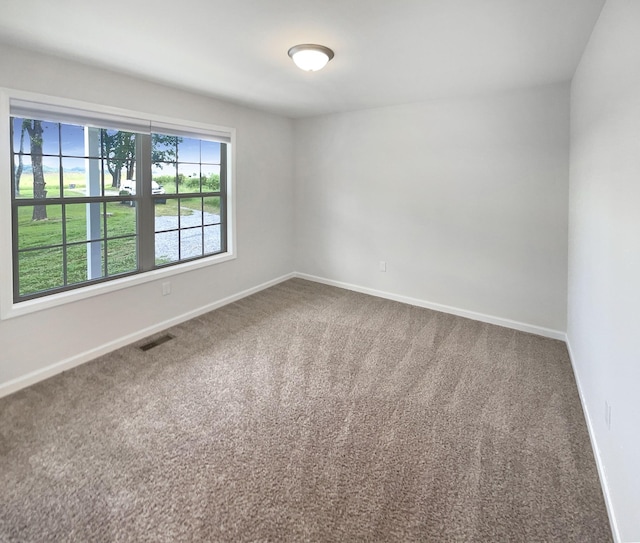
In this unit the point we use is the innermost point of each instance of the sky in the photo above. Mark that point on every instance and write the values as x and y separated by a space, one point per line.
68 141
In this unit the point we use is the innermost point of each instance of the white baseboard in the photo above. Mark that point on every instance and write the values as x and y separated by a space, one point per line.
39 375
596 451
507 323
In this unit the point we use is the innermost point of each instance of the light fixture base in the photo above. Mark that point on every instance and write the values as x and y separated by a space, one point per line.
310 57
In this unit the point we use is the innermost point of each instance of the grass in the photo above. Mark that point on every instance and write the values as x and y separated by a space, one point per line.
52 185
42 268
78 182
120 221
188 206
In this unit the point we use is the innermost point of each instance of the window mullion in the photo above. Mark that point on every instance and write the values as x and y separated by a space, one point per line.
144 203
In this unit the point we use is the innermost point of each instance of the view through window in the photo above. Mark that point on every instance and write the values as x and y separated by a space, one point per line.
91 203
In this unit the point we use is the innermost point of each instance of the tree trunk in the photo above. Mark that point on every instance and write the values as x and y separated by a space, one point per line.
108 145
116 174
115 169
20 160
39 192
130 169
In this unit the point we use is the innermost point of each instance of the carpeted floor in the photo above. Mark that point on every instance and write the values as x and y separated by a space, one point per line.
306 413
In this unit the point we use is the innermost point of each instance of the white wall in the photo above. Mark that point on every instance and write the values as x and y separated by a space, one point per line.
604 250
465 199
264 192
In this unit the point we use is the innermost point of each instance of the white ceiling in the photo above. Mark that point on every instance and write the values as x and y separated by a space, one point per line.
387 51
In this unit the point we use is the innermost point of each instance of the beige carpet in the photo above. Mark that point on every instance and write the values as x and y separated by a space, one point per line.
306 413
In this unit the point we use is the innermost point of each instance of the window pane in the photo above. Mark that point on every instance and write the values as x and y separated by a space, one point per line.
166 216
210 152
77 262
163 147
119 151
188 178
165 174
73 141
51 171
121 220
189 150
166 247
210 178
37 136
192 181
21 140
39 232
128 174
106 182
50 137
211 210
75 178
190 212
121 255
76 217
40 270
22 177
212 239
191 243
117 144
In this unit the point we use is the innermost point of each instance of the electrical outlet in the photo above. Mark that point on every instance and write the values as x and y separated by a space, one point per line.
166 288
383 266
607 414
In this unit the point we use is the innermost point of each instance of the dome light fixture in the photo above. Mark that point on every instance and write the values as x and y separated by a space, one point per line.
310 57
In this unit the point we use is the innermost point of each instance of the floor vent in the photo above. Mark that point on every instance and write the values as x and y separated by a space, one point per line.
156 342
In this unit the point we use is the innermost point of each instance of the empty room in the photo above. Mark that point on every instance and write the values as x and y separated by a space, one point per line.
320 271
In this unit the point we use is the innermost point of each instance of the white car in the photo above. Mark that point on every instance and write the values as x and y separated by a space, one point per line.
129 186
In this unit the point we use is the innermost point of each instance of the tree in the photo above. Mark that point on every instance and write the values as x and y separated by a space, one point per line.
170 151
23 128
34 129
119 148
164 149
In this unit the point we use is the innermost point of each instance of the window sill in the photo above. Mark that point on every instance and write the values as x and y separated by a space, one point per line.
11 310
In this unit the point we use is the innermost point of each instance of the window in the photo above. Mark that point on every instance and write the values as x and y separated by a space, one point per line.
97 197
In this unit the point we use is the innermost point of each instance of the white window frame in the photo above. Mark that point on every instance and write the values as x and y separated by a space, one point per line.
9 309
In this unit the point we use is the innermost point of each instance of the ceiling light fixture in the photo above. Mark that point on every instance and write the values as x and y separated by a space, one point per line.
310 57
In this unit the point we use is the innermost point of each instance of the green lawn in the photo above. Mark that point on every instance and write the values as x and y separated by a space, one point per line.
52 185
42 269
75 185
188 205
